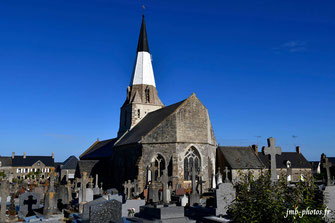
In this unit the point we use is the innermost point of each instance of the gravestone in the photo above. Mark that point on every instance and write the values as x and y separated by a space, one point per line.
86 208
163 213
127 189
168 194
219 177
164 180
4 192
272 150
184 200
194 196
224 196
40 191
89 194
153 192
114 197
226 170
107 211
136 204
50 201
28 201
326 164
329 201
112 191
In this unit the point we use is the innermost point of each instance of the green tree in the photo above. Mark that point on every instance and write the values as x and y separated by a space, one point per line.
258 200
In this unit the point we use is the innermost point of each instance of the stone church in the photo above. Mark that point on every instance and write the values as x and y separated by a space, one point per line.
152 137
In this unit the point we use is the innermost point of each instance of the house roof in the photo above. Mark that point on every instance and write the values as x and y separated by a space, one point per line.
30 160
241 157
297 160
149 122
70 163
99 149
5 161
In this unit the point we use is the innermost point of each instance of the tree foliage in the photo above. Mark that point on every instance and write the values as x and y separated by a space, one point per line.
258 200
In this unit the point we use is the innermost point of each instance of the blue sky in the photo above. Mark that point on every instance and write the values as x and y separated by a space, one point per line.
262 68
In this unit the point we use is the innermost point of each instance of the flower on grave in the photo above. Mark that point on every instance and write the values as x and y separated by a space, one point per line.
131 211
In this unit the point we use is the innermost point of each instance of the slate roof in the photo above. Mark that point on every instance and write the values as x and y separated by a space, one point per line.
297 160
70 163
99 149
86 166
5 161
241 157
149 122
30 160
143 39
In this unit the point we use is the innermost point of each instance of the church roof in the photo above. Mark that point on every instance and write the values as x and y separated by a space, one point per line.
143 39
99 149
297 160
149 122
239 157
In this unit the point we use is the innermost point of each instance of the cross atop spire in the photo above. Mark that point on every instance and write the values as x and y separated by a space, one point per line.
143 39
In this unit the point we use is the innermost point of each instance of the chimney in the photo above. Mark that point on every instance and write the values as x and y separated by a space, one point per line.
298 149
13 155
24 155
255 149
53 155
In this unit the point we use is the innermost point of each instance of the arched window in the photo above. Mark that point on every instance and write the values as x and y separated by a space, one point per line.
192 159
147 95
158 163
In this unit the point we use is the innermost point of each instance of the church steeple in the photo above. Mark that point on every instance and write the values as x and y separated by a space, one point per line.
142 96
143 72
143 40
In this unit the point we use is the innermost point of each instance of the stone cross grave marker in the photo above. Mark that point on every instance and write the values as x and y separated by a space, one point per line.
96 180
193 179
272 150
136 188
327 164
226 170
164 180
69 191
194 197
4 193
200 183
127 188
30 202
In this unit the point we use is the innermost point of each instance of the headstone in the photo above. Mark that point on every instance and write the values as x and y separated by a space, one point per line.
89 194
329 201
112 191
288 171
164 180
200 182
272 150
86 208
69 191
194 196
224 196
114 197
29 201
226 170
127 189
184 200
132 204
82 192
168 194
107 211
153 192
163 213
219 177
40 190
50 201
4 192
326 164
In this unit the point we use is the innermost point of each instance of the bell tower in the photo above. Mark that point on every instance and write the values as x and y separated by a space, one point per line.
142 96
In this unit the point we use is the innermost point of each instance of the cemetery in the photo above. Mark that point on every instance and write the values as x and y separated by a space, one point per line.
165 165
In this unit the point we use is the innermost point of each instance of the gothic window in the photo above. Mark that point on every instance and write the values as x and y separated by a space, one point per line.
147 95
192 158
159 166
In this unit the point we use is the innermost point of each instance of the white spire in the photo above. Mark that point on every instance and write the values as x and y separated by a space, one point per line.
143 72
